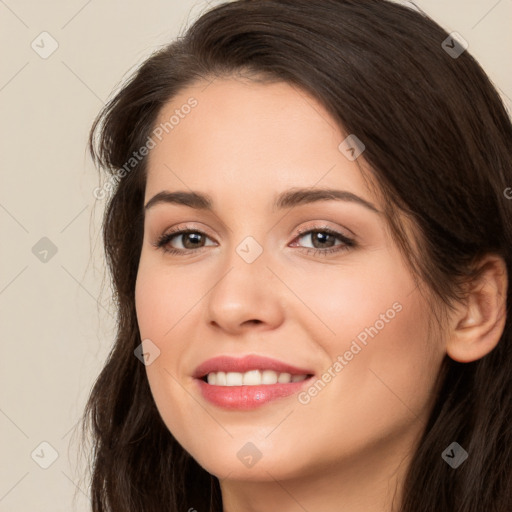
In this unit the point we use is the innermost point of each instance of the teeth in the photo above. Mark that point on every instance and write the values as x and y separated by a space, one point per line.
269 377
284 378
234 379
252 378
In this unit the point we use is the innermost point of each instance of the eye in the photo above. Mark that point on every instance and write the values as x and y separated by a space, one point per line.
189 239
324 240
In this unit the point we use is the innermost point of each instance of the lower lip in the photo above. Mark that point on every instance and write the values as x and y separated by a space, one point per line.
248 397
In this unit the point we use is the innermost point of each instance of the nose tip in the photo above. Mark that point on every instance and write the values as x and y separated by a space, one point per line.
240 302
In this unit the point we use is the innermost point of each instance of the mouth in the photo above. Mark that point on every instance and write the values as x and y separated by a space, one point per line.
248 382
253 378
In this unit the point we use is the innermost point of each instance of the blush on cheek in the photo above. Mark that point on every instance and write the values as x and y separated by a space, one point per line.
157 305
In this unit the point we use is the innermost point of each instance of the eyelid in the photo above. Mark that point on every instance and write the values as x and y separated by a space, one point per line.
343 232
188 227
179 228
347 242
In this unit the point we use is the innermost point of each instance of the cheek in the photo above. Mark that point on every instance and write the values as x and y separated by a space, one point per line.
342 301
374 324
161 299
167 302
384 366
162 302
161 315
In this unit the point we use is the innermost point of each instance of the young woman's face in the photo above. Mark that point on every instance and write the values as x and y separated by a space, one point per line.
315 285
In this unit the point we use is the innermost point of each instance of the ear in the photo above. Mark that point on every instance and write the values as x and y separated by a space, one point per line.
477 325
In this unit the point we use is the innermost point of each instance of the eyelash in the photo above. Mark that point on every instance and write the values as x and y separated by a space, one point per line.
347 243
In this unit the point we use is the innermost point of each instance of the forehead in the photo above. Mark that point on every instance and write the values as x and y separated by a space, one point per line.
234 134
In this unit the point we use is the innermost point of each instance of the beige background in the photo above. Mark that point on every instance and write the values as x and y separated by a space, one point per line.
56 326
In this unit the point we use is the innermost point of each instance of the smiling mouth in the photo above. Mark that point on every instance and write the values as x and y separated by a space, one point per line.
252 378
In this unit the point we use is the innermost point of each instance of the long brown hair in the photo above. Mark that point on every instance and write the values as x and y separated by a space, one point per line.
438 142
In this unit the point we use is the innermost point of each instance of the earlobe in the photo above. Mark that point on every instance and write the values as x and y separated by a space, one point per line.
479 324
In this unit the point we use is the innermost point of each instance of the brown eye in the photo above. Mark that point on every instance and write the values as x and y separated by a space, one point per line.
321 239
190 240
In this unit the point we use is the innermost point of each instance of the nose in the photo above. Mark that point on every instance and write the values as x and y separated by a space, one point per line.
247 296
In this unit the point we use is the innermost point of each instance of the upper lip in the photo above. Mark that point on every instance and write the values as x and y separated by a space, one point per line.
246 364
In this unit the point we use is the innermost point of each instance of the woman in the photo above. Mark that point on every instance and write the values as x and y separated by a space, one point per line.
309 239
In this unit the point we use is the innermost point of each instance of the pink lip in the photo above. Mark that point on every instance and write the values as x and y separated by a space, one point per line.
246 364
247 397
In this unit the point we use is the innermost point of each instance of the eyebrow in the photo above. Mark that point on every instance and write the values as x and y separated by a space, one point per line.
287 199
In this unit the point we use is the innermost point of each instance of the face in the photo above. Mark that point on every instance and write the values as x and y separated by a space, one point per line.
309 281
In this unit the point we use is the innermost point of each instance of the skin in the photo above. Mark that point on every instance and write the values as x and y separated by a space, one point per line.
349 446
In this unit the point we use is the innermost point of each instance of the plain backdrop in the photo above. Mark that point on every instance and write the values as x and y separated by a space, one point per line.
57 327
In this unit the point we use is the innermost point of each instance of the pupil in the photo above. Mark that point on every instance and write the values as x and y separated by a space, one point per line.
188 237
324 236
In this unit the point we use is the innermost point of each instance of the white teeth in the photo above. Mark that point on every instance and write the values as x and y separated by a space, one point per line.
269 377
284 378
234 379
252 378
